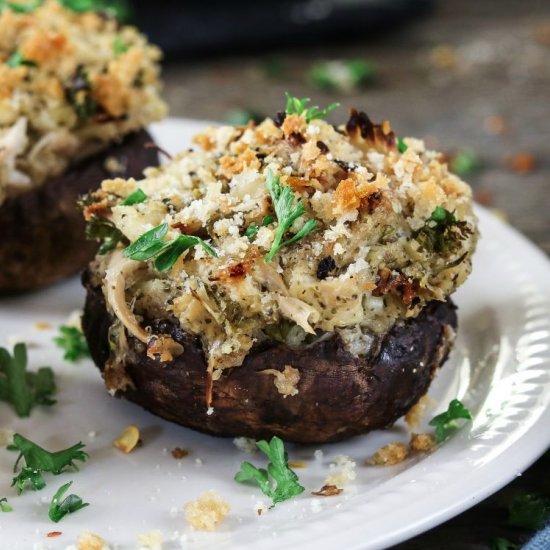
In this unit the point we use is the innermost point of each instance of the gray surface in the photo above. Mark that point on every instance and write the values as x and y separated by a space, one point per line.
501 70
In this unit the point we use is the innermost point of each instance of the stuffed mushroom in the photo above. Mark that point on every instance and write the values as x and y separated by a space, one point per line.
76 91
286 278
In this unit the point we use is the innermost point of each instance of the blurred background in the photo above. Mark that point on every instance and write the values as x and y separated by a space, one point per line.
470 77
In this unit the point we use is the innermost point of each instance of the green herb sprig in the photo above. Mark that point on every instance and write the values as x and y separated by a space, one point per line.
464 162
21 8
164 253
442 232
529 511
120 47
500 543
120 9
38 461
17 60
278 482
23 389
72 340
448 422
137 197
297 106
69 505
116 8
287 210
401 145
342 75
252 229
79 94
4 506
104 231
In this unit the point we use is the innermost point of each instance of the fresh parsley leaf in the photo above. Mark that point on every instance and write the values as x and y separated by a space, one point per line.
464 162
287 210
60 508
529 511
446 423
174 249
147 245
500 543
74 343
252 229
274 67
341 75
442 232
164 253
136 197
22 389
401 145
4 506
22 8
101 229
296 106
79 94
241 117
38 460
17 60
278 482
28 476
120 47
120 9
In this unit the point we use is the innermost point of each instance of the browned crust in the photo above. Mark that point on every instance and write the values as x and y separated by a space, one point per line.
42 231
339 395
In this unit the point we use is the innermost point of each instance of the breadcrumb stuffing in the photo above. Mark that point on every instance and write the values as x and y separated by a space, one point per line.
416 413
90 541
85 81
206 513
342 471
422 443
150 541
390 454
6 436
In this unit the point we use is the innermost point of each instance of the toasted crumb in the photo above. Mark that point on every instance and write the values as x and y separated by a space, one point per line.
178 452
42 325
286 382
245 444
90 541
128 439
114 166
342 471
522 163
422 443
418 410
484 197
261 508
6 436
207 512
53 534
495 125
327 491
297 464
390 454
151 540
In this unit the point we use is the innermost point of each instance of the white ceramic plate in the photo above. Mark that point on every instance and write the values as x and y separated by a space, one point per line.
499 368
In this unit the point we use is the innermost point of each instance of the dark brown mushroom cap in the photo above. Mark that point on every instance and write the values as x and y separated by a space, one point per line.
42 229
339 396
